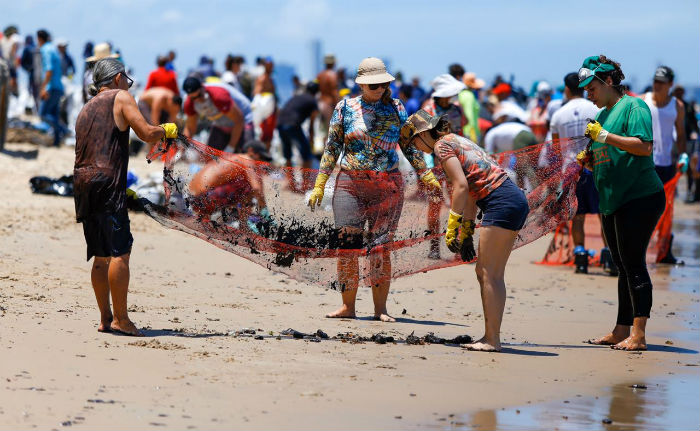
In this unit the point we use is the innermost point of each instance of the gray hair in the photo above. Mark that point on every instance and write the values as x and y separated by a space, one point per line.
104 72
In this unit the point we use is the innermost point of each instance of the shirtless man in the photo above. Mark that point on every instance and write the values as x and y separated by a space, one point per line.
159 105
328 87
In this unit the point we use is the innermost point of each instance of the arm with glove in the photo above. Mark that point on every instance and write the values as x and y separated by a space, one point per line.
459 236
631 144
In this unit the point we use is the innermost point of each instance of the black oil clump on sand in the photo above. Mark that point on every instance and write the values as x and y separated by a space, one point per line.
379 338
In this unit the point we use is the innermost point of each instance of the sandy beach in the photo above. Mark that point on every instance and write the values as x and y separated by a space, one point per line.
198 369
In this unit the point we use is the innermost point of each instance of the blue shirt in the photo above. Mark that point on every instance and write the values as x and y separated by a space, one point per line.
51 61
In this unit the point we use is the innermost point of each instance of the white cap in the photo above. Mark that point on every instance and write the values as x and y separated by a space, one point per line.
61 42
543 88
446 85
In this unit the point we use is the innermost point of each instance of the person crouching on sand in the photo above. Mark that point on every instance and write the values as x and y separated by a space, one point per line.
477 181
101 161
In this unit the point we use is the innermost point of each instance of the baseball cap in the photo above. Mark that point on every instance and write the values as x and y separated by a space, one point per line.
590 67
258 148
502 88
191 84
663 74
571 81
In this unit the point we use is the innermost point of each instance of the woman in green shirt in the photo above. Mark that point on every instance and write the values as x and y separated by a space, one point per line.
631 194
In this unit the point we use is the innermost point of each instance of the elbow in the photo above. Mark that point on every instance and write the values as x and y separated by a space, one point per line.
648 149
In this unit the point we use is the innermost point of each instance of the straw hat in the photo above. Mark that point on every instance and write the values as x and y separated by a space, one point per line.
372 71
471 81
101 50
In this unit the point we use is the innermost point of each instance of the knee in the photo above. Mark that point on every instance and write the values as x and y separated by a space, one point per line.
350 238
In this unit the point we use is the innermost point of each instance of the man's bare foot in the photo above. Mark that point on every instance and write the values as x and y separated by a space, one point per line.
125 328
344 312
483 346
631 344
384 317
609 340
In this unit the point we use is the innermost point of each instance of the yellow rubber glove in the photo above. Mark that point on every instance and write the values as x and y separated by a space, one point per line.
170 130
584 159
596 132
453 223
433 185
317 193
466 238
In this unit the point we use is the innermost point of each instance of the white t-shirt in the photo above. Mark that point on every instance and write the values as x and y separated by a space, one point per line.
231 79
663 121
572 118
6 44
500 138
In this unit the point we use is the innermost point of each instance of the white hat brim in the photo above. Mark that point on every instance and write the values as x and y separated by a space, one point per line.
380 78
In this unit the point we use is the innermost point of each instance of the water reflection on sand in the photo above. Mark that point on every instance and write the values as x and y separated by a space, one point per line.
669 404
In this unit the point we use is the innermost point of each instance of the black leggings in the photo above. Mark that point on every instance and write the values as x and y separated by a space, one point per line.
627 232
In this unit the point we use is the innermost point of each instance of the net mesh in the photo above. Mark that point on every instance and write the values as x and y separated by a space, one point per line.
248 208
561 248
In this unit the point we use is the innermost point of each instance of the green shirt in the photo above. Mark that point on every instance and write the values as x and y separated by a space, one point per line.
470 106
620 176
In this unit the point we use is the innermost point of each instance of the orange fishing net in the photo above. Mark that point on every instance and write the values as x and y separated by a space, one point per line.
247 208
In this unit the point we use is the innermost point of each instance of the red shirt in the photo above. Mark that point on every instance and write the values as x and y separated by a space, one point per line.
163 78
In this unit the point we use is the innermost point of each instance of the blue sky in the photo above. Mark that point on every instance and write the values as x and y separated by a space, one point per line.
534 39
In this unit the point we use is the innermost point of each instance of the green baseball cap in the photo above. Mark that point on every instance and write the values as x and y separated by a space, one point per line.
589 68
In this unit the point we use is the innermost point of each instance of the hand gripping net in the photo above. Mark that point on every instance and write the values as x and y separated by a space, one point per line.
213 195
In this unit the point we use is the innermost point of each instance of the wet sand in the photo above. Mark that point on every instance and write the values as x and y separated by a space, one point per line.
197 369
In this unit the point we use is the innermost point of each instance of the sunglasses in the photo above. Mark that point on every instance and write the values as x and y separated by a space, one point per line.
129 81
585 73
376 86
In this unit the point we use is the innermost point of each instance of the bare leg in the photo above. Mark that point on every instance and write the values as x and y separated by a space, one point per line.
349 279
381 265
577 232
495 245
637 339
119 285
100 284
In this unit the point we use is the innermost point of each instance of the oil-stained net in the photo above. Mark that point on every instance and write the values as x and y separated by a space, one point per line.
248 208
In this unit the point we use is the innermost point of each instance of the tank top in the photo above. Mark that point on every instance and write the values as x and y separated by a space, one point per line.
663 121
101 159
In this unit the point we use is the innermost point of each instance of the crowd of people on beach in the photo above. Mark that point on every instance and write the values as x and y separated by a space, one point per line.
359 128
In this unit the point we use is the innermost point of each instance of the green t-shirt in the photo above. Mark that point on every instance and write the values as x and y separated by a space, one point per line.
620 176
470 106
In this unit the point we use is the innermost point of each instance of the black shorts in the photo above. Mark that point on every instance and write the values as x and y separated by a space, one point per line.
107 235
505 207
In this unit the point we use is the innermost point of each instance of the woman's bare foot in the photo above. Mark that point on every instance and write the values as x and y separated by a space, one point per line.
618 334
384 317
344 312
105 325
631 344
484 345
125 328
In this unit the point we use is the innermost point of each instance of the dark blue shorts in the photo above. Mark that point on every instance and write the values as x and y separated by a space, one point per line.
587 194
505 207
107 235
